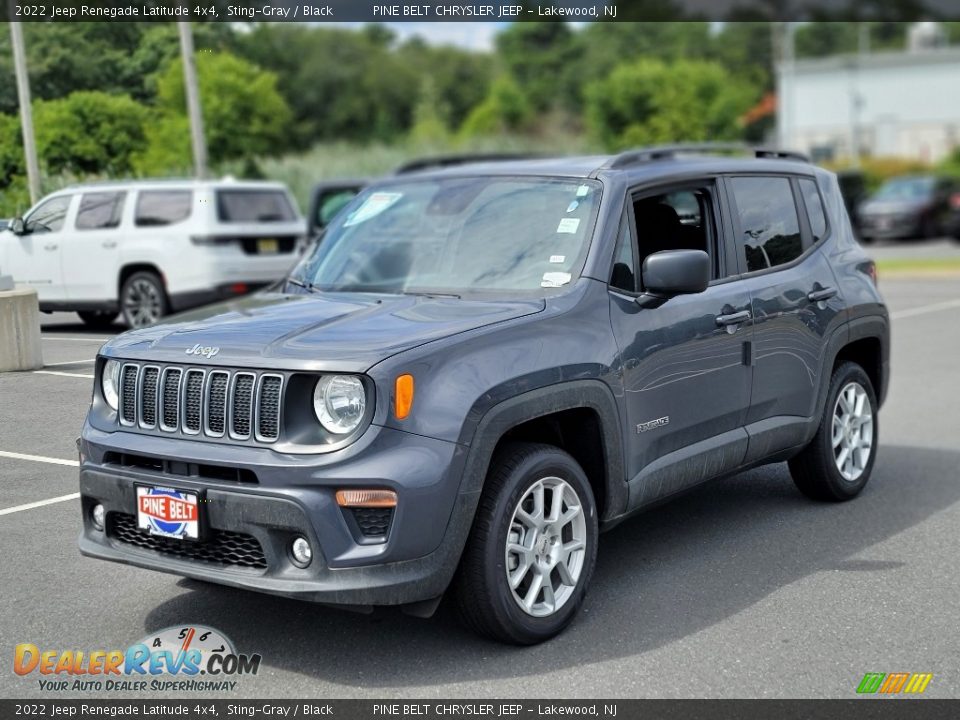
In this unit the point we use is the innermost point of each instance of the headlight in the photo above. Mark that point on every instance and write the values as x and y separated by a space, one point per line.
111 383
339 402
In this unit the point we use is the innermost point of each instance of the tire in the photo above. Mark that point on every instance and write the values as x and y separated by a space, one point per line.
930 228
487 603
816 471
99 319
143 299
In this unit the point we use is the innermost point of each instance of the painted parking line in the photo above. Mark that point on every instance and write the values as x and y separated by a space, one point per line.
924 309
75 339
38 458
39 503
69 362
62 374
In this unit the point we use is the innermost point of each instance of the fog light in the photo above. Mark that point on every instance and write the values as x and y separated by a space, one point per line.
97 515
302 554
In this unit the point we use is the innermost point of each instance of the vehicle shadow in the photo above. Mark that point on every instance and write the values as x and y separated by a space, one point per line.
661 576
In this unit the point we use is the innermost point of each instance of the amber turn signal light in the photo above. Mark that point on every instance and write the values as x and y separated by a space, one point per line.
403 396
367 498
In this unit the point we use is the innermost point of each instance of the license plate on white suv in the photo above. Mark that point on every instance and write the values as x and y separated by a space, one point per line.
168 512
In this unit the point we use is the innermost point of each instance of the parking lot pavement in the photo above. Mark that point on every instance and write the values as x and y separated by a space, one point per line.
740 589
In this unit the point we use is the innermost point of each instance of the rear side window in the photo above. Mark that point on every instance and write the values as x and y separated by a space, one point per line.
818 219
163 207
100 210
769 226
253 206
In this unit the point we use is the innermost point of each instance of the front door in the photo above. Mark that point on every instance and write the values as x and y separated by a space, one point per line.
686 381
33 258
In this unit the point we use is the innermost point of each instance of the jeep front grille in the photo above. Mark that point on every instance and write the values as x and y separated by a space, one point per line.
241 404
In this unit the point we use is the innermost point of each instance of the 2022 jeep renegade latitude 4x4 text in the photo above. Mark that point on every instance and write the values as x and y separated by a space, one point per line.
477 369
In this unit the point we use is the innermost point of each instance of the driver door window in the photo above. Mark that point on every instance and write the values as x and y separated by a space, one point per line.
49 216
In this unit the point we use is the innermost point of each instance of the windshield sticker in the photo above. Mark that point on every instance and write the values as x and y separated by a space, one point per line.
556 259
568 226
555 279
372 206
574 204
583 191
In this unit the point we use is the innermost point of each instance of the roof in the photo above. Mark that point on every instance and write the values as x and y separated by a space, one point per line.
176 183
642 162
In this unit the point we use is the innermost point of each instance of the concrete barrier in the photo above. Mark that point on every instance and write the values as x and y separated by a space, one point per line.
20 331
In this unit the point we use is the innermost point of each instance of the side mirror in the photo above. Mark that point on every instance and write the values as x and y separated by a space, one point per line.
676 272
17 227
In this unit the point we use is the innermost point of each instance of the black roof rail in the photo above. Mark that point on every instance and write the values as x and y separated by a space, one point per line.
442 161
662 152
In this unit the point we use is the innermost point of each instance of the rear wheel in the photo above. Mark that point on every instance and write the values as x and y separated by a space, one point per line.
837 463
100 319
532 549
143 300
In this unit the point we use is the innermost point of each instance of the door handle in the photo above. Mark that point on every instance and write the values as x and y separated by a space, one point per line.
733 318
110 244
820 295
50 246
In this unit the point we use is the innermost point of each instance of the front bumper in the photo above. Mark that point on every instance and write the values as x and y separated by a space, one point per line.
250 525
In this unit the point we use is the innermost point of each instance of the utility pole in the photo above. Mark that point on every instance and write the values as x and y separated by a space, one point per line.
26 114
193 101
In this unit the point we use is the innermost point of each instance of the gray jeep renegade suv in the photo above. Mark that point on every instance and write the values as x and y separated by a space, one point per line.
479 368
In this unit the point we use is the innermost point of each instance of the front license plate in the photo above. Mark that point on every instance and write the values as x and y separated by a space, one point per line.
268 246
168 512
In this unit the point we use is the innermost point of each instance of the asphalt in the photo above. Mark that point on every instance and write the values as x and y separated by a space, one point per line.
740 589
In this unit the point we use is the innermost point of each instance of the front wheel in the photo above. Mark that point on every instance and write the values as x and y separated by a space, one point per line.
143 299
837 463
532 549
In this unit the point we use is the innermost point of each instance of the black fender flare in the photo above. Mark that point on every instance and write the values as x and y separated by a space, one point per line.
869 326
569 395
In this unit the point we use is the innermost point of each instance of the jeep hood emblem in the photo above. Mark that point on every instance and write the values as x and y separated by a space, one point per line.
207 352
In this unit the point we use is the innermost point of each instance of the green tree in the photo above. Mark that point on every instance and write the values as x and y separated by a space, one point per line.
650 101
541 56
505 109
243 113
429 115
89 133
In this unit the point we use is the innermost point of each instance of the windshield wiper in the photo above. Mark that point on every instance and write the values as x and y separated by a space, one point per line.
427 293
309 287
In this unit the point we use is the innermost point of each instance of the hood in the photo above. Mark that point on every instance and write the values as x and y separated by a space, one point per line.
349 332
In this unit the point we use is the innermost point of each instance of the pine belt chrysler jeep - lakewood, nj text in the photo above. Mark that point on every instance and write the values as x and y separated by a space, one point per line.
478 368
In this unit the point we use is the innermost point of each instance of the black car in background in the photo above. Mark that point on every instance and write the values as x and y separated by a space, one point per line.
915 206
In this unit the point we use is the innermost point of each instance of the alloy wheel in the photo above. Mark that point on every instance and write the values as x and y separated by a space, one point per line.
142 303
546 546
852 431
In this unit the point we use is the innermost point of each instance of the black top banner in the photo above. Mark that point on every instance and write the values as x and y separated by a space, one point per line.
475 11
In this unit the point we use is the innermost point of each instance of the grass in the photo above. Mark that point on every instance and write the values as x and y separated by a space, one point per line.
918 266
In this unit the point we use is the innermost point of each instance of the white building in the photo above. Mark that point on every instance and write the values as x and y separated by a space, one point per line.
904 104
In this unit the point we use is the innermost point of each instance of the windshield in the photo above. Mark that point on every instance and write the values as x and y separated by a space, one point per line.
905 189
457 234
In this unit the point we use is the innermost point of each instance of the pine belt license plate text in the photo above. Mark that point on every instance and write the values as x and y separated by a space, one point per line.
168 512
268 246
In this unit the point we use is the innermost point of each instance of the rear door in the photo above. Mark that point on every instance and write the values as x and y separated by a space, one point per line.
780 225
33 258
91 248
686 385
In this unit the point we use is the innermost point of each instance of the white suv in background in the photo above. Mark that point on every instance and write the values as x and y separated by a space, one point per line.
148 248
